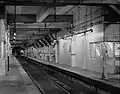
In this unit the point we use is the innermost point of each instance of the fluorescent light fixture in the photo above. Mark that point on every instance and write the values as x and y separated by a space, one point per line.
89 31
86 31
20 23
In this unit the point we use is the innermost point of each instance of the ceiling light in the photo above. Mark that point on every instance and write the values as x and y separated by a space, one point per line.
14 34
84 32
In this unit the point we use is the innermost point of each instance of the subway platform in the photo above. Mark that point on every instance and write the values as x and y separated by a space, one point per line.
113 85
17 81
86 73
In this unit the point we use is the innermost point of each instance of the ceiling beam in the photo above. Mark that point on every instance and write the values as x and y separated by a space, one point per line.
47 11
41 15
59 18
116 9
21 18
113 6
42 25
36 31
51 4
21 32
41 42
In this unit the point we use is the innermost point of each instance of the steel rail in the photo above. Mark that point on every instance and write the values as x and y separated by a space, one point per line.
47 77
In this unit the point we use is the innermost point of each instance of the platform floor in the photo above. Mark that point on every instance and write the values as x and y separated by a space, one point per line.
17 81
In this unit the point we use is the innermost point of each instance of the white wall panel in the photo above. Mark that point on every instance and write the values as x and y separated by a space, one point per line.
79 50
94 64
82 48
64 54
83 59
97 34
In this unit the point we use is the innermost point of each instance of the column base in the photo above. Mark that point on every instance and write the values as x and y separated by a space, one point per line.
2 67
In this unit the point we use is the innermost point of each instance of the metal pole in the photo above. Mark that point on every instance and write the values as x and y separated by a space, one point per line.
14 20
103 72
8 63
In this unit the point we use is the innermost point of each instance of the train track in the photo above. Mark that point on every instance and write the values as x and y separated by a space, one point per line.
35 72
48 84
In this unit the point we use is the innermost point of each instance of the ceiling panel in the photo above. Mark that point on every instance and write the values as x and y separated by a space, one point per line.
23 9
59 18
21 18
30 9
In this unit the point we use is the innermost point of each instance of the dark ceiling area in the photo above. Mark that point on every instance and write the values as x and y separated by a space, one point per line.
49 3
59 18
53 3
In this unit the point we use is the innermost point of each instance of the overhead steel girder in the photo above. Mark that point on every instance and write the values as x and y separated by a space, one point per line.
46 41
112 15
39 45
40 30
42 25
22 32
41 42
59 18
21 18
44 12
52 3
117 10
51 36
36 45
46 44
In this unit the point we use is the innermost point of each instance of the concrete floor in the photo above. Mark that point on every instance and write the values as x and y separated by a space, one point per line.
17 81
